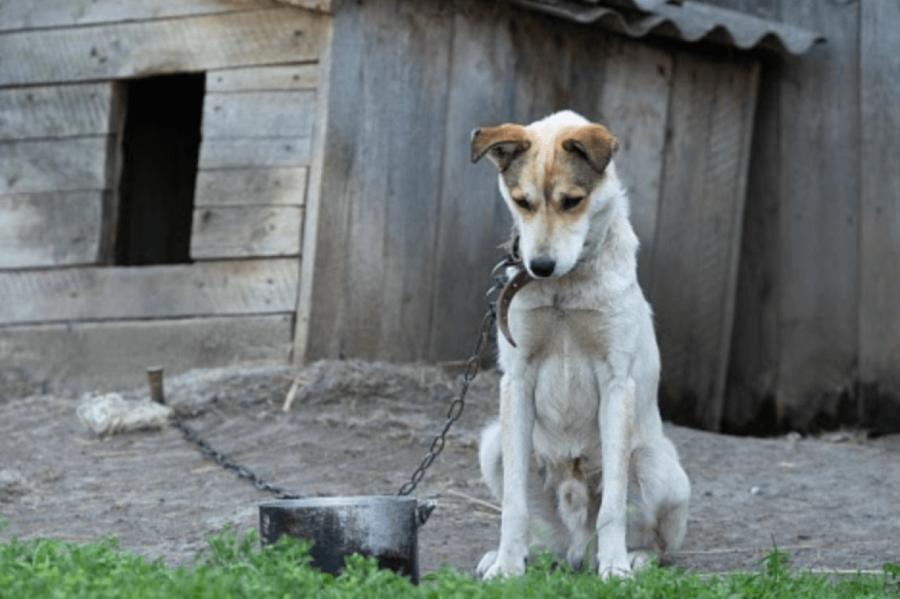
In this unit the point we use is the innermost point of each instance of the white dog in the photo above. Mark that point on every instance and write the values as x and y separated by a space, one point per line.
580 442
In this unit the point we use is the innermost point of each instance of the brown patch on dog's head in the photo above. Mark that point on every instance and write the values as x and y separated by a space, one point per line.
593 143
503 144
550 172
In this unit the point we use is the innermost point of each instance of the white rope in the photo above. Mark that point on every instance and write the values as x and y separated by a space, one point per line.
109 414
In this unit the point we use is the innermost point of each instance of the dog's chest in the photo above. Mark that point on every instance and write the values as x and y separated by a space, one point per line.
561 345
555 326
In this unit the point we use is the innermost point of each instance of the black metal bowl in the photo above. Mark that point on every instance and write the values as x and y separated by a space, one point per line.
381 526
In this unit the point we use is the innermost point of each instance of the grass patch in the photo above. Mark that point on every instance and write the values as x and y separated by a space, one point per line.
237 567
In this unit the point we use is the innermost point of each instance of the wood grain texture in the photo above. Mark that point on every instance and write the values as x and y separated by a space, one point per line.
753 362
278 77
818 220
28 14
695 252
377 229
163 46
474 219
263 114
58 111
634 105
413 127
53 165
319 5
50 229
112 356
246 231
262 186
274 152
210 288
504 66
879 259
312 204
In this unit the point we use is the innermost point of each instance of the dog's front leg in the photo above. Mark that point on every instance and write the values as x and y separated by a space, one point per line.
616 425
516 429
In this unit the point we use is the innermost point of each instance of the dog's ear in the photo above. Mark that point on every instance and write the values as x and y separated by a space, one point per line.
502 143
594 143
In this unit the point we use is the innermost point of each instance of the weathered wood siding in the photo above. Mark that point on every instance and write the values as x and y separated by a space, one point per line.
816 326
410 228
251 186
69 318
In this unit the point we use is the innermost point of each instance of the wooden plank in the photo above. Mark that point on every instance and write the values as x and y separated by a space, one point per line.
318 5
266 114
163 46
263 186
278 77
27 14
111 356
673 290
210 288
410 131
244 231
474 220
58 111
634 104
253 153
695 253
817 263
753 360
719 233
378 226
50 229
879 260
53 165
312 203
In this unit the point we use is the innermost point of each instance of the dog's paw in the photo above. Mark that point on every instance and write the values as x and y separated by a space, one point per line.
575 558
493 565
640 559
614 569
485 564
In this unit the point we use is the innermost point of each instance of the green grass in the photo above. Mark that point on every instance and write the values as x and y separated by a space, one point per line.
237 567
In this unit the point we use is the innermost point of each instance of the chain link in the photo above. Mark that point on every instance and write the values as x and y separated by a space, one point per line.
454 413
226 462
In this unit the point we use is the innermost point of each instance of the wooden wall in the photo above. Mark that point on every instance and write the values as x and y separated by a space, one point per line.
817 327
69 318
408 228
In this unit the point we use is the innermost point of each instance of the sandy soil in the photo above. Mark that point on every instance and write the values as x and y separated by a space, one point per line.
359 428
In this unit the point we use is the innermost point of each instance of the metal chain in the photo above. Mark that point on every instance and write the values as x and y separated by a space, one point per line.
226 462
473 365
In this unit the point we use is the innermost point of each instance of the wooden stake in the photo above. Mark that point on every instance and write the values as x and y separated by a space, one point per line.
155 381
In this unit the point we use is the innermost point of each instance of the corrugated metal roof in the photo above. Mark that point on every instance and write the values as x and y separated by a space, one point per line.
686 20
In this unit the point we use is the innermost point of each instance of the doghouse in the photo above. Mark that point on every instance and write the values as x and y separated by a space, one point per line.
200 183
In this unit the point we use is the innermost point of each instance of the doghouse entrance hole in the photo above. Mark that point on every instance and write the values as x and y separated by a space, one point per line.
160 147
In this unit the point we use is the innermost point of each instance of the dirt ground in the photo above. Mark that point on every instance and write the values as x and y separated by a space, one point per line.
360 428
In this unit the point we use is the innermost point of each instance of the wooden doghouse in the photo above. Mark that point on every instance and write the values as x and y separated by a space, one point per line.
332 210
407 229
154 160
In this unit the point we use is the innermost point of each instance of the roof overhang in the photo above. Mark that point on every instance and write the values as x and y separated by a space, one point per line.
686 20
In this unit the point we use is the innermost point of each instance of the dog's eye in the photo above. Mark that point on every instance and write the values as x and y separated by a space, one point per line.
523 203
570 202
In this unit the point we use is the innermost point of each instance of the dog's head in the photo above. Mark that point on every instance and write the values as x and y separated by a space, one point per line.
552 177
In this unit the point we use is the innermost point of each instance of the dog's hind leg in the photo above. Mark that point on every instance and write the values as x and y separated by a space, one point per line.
661 496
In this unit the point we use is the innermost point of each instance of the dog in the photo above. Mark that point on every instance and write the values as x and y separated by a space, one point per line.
579 444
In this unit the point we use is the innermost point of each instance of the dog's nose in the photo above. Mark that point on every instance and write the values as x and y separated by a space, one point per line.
542 266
